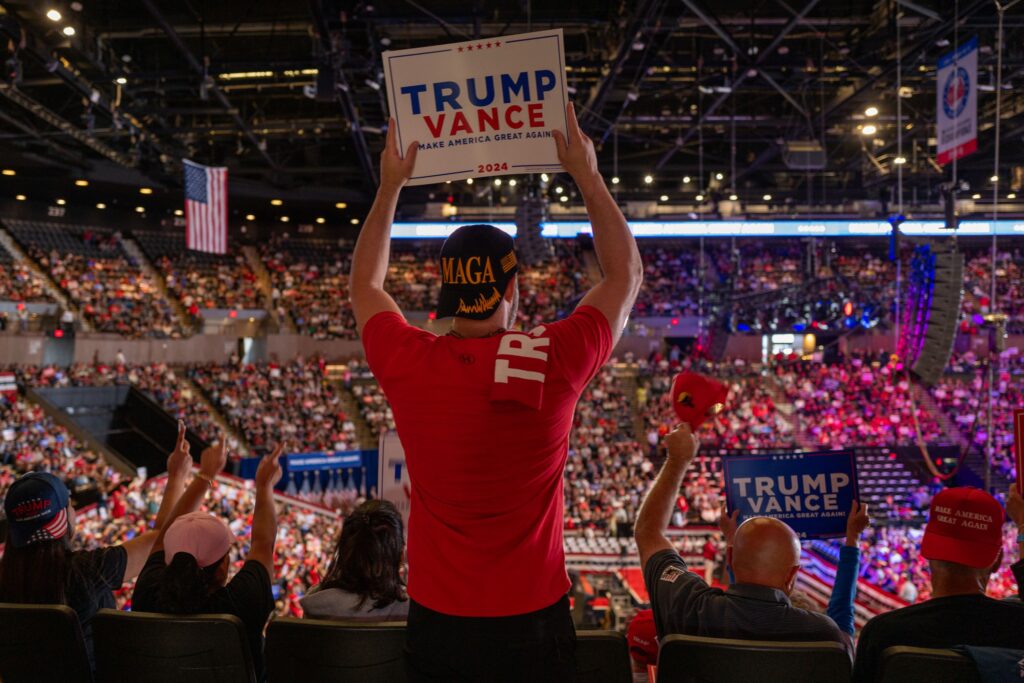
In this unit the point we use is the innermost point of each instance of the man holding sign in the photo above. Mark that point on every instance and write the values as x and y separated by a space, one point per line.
484 414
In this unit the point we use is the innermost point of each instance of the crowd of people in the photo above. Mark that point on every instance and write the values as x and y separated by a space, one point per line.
18 283
202 281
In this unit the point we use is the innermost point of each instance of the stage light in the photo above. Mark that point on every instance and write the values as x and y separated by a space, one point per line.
733 197
68 31
868 130
767 197
341 205
250 217
994 179
354 221
285 219
615 180
497 182
563 198
140 209
121 80
61 202
544 177
512 183
1012 195
699 198
21 197
469 181
8 172
81 183
101 206
664 198
686 180
320 220
975 196
871 111
648 179
179 212
54 15
276 202
719 176
559 190
145 190
899 161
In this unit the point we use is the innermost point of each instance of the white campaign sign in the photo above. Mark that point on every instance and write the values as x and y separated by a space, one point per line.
393 475
956 103
479 108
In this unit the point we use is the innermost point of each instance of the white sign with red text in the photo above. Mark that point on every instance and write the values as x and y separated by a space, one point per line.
479 108
393 475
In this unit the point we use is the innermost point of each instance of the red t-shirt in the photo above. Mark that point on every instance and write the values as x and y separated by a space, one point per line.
485 427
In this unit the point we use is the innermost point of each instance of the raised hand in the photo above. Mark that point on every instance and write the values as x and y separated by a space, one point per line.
1015 508
856 523
727 524
682 443
269 472
214 458
394 170
179 462
576 152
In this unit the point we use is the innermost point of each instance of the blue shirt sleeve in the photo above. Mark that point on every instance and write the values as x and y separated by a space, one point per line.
840 605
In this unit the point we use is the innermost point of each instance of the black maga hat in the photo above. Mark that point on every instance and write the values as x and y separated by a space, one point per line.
477 262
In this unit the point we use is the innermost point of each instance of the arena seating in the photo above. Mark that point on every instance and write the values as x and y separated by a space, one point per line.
90 265
926 665
689 659
42 643
18 283
201 280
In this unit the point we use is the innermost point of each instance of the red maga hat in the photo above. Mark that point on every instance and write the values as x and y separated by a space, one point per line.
965 527
696 398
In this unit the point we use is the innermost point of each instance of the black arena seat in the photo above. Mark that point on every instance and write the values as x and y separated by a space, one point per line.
41 643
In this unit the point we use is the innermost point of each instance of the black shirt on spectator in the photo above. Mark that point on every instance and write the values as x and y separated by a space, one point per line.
247 596
95 574
939 623
684 604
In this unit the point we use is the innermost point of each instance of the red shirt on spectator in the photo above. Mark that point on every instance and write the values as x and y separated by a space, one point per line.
485 427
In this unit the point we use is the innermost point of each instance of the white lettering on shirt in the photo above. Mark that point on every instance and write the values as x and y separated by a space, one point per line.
518 345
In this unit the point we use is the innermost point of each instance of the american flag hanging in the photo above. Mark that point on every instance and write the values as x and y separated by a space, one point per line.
206 208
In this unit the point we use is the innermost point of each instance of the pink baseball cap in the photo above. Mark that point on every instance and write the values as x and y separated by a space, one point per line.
201 535
965 527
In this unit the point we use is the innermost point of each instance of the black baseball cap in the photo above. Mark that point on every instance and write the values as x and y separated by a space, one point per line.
477 263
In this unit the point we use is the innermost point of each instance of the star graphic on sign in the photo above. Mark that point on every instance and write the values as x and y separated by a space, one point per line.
497 43
479 46
488 45
470 48
460 49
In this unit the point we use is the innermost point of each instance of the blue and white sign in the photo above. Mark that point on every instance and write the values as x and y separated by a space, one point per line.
479 108
811 492
956 103
305 462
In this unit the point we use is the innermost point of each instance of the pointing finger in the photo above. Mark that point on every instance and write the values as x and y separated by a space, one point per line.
181 435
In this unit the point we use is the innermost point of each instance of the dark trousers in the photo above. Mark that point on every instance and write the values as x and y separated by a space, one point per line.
535 647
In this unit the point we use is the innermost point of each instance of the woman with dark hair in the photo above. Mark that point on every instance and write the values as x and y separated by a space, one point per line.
364 581
39 565
187 573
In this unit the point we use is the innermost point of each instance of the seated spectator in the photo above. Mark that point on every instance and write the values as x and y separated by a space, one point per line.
39 566
765 559
187 571
963 544
364 581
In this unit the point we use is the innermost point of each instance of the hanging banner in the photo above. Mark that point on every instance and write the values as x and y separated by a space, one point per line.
480 108
308 462
956 103
393 475
811 492
1018 447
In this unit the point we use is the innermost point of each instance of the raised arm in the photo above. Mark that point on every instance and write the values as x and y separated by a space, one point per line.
210 465
656 511
264 518
373 248
179 462
616 248
844 589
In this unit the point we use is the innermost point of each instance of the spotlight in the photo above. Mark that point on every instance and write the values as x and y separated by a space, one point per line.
686 180
975 196
81 182
699 198
994 179
868 130
341 205
250 217
285 219
8 172
61 202
22 197
648 179
719 176
559 190
276 202
615 180
145 190
544 177
767 197
140 209
121 80
871 111
469 181
54 15
354 221
1012 195
899 161
68 31
663 197
512 183
179 212
320 220
101 206
497 182
733 197
563 198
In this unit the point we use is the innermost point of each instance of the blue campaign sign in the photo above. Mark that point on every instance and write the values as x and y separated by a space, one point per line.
811 492
305 462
